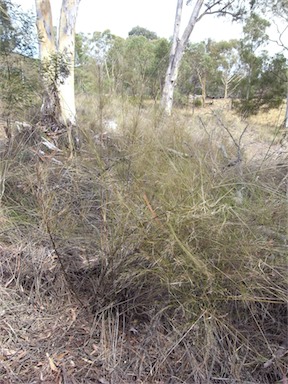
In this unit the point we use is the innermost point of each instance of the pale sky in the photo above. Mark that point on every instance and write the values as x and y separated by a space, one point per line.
120 16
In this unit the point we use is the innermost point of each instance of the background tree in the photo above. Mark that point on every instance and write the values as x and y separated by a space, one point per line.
18 79
84 64
137 66
280 9
179 44
91 57
202 65
140 31
273 82
254 37
138 58
264 82
115 64
277 12
227 60
81 49
158 66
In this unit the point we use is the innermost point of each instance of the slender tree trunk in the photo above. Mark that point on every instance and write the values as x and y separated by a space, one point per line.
249 84
202 81
176 53
203 86
225 82
286 114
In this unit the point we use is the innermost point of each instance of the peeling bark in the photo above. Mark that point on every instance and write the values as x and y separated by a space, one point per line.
47 48
57 62
45 29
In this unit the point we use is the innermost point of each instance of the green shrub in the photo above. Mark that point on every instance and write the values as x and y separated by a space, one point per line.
197 102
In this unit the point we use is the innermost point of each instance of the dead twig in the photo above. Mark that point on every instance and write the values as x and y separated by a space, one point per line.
59 257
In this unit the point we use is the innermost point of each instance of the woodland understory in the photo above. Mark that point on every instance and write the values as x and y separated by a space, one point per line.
143 201
156 254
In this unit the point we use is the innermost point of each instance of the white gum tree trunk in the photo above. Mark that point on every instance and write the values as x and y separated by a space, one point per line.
59 98
47 47
66 46
172 70
177 51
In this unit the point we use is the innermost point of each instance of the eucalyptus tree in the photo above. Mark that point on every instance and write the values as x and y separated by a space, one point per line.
227 59
158 66
280 9
273 82
265 78
18 81
234 8
277 11
203 64
255 37
81 49
137 65
264 86
57 55
115 63
92 65
99 45
138 58
140 31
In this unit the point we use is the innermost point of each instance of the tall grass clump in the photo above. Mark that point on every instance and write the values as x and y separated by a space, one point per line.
179 254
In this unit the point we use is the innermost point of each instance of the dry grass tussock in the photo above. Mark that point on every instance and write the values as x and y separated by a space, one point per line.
158 254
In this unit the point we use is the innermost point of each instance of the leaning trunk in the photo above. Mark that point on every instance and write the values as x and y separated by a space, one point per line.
176 54
172 70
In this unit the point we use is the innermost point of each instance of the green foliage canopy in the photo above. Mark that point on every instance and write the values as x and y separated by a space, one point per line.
140 31
18 74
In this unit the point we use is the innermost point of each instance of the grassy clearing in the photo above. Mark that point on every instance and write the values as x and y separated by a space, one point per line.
153 256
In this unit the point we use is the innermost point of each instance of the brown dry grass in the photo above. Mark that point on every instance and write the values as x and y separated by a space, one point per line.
148 257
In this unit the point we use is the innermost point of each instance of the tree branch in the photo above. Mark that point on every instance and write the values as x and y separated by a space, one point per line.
222 11
280 42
